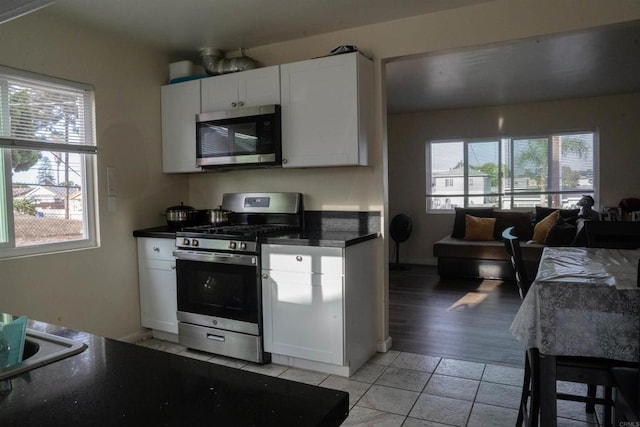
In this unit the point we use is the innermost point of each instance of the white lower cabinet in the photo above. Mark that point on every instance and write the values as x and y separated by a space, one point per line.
157 280
319 306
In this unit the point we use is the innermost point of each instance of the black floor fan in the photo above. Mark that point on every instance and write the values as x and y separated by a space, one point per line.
400 230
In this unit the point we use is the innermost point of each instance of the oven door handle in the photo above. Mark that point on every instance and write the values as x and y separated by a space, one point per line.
219 257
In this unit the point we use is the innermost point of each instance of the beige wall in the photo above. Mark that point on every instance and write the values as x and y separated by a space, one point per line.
96 290
613 117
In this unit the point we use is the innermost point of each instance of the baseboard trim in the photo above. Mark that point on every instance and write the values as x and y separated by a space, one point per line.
384 345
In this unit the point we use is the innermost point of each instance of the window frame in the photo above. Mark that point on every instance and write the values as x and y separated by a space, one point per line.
501 194
87 150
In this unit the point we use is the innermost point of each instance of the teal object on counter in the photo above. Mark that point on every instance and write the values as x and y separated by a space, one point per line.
15 333
4 351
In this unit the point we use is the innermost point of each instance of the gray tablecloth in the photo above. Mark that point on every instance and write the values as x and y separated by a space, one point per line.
584 302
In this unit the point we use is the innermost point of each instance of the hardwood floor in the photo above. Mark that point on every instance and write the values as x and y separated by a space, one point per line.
458 319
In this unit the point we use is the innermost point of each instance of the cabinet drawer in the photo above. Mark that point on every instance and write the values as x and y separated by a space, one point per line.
302 259
156 248
158 264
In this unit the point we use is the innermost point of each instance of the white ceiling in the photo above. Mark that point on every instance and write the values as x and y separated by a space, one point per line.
597 62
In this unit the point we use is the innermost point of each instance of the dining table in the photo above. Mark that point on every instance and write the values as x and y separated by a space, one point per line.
584 302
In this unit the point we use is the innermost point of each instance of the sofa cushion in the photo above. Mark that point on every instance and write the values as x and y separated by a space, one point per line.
479 228
542 213
542 228
459 248
518 219
459 223
563 233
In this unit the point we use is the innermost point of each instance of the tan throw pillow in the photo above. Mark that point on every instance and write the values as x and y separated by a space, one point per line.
542 228
478 228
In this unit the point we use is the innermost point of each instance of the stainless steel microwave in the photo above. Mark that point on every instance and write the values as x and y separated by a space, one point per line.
242 137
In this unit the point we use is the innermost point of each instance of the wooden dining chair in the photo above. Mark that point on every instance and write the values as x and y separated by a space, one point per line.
574 369
627 395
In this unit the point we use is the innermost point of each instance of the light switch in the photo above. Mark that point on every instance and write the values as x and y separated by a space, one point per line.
111 181
111 203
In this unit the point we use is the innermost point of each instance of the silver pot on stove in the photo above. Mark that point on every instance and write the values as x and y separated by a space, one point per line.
219 216
181 215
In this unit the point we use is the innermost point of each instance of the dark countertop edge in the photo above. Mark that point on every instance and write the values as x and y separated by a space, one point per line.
321 239
163 232
339 239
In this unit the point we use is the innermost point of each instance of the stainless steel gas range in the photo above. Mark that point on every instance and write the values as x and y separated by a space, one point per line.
218 274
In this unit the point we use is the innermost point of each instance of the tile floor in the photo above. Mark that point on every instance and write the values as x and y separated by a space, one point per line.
414 390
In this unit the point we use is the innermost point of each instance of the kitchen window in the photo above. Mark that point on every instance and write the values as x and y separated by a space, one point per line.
553 170
47 164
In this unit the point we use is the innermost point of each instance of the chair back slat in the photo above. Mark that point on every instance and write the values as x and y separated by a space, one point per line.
512 246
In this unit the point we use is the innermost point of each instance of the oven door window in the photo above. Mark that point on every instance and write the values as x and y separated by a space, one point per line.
219 290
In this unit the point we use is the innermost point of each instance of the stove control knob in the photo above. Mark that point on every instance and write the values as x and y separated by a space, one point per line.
243 245
186 242
232 245
195 243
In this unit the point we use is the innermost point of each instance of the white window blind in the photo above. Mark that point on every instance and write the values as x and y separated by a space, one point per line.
52 114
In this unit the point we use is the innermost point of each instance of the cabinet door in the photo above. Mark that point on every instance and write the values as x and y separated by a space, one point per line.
180 104
303 315
158 303
321 111
219 93
243 89
259 87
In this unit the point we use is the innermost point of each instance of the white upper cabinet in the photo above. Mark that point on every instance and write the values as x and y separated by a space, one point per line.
250 88
326 111
180 104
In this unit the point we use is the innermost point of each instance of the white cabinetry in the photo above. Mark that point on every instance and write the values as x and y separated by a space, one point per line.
180 104
319 306
250 88
326 111
157 279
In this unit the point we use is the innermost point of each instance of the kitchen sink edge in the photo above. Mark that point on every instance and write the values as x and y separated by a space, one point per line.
41 349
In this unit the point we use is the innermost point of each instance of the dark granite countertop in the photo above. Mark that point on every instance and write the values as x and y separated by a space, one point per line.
339 239
163 232
115 383
322 228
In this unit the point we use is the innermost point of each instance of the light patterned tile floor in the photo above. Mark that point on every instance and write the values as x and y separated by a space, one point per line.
413 390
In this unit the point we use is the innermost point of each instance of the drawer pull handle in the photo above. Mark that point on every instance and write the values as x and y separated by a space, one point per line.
156 249
215 337
265 276
299 258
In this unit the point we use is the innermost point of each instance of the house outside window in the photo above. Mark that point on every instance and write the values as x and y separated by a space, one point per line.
553 170
47 164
